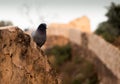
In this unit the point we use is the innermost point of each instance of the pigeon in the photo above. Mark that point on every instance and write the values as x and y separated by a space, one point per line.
39 36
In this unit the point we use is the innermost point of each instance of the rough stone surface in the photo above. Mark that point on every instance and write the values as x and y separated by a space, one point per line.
21 61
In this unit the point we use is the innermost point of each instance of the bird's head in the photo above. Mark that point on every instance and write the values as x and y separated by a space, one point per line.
42 27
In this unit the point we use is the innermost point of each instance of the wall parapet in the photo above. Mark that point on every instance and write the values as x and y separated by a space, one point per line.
107 53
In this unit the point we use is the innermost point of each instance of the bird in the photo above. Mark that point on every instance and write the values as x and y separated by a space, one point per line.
39 36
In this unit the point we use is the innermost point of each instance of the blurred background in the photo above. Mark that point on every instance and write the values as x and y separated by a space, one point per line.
82 36
29 13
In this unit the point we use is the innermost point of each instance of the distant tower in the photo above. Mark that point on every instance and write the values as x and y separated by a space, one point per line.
82 23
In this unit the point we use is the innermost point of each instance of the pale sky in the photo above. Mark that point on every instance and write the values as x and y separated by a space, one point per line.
50 11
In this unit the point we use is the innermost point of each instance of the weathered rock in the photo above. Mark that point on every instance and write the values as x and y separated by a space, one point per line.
21 61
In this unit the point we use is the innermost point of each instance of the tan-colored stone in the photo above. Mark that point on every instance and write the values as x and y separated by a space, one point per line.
21 61
82 24
106 52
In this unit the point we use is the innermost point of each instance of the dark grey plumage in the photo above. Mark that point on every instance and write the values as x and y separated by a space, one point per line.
39 36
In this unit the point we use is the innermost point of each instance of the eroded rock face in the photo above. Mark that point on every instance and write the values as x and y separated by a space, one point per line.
21 61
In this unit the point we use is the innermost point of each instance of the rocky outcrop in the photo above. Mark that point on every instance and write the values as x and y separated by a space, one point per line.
21 61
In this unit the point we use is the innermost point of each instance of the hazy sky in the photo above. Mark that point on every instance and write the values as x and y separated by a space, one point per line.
30 13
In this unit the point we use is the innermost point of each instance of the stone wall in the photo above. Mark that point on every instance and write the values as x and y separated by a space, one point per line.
107 53
82 24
